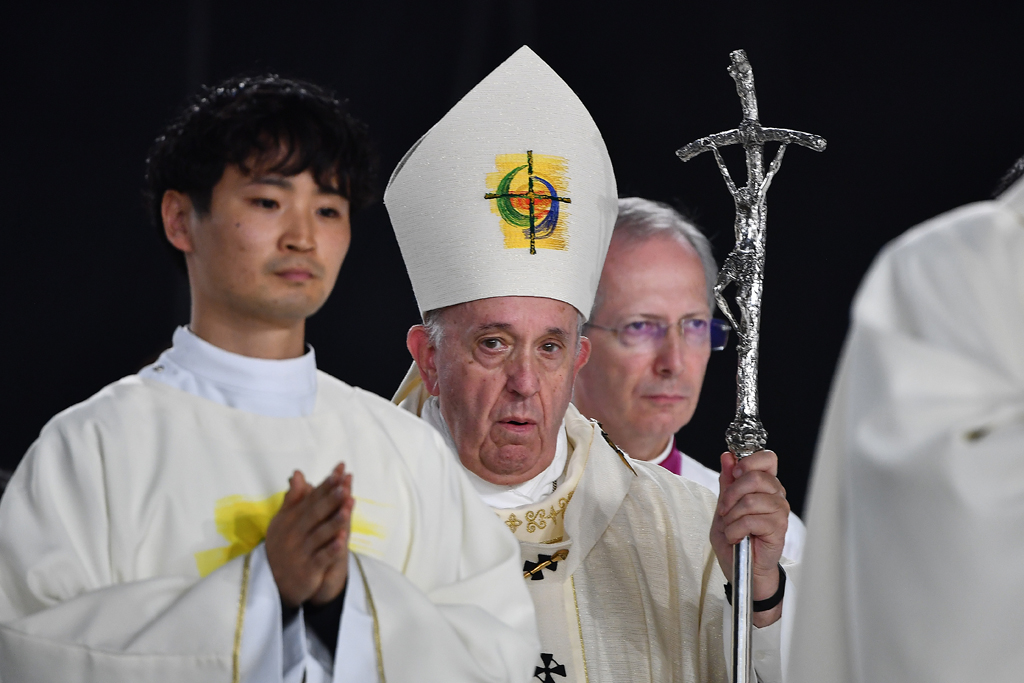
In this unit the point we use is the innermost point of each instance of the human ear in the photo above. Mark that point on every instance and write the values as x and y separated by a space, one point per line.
582 357
425 354
177 213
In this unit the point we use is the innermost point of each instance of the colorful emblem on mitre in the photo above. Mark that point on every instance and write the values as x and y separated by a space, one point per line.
529 192
498 200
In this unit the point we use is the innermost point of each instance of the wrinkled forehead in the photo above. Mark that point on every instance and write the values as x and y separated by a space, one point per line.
660 270
525 316
628 255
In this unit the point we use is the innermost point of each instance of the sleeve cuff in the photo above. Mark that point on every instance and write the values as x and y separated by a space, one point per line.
766 646
269 653
356 656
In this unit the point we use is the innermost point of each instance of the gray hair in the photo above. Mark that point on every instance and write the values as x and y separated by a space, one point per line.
432 321
642 219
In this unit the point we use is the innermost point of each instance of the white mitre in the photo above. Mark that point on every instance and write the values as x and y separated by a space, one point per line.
460 200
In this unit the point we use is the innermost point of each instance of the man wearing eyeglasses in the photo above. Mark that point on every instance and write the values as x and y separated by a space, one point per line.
651 334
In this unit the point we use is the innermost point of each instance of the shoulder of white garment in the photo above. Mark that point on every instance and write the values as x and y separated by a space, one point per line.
116 402
695 471
952 283
607 461
417 441
615 489
954 235
133 400
334 391
692 495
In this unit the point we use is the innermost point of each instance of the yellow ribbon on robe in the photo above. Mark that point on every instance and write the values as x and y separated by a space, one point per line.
243 522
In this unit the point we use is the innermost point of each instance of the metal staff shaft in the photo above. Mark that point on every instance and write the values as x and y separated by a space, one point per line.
744 267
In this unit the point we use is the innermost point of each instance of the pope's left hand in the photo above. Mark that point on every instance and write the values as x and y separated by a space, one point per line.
752 503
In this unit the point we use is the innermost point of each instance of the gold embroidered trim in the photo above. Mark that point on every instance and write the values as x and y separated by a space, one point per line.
538 524
579 625
538 519
376 624
236 652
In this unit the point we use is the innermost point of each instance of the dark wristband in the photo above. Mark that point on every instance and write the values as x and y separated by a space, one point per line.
768 603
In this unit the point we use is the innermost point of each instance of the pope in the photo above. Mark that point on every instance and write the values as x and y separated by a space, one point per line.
503 212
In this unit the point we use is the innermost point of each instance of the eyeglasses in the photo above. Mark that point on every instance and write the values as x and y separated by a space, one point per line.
648 335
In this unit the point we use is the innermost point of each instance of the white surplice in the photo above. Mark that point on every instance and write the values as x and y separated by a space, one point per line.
130 541
640 595
272 388
914 562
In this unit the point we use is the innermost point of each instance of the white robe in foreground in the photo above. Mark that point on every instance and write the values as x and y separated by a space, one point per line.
127 533
640 595
273 388
914 562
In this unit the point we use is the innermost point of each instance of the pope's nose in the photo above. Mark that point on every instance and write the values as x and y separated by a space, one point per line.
522 378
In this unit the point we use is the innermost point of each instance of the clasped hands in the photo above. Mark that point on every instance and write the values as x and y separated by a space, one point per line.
307 541
752 503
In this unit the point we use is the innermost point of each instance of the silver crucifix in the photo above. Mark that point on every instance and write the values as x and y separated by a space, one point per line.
745 267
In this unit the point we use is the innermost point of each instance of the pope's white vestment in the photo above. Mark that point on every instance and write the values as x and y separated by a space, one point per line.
639 595
692 469
130 545
914 562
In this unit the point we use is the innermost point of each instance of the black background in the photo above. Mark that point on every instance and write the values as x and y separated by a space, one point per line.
921 107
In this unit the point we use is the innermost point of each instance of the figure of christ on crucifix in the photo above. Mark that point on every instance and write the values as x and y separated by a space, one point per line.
745 264
509 203
745 267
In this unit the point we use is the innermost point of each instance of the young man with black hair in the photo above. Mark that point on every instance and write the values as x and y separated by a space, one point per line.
165 528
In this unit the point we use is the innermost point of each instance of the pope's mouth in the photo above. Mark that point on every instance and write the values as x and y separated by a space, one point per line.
518 425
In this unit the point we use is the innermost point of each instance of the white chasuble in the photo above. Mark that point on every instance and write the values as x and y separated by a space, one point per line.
914 558
127 538
639 595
